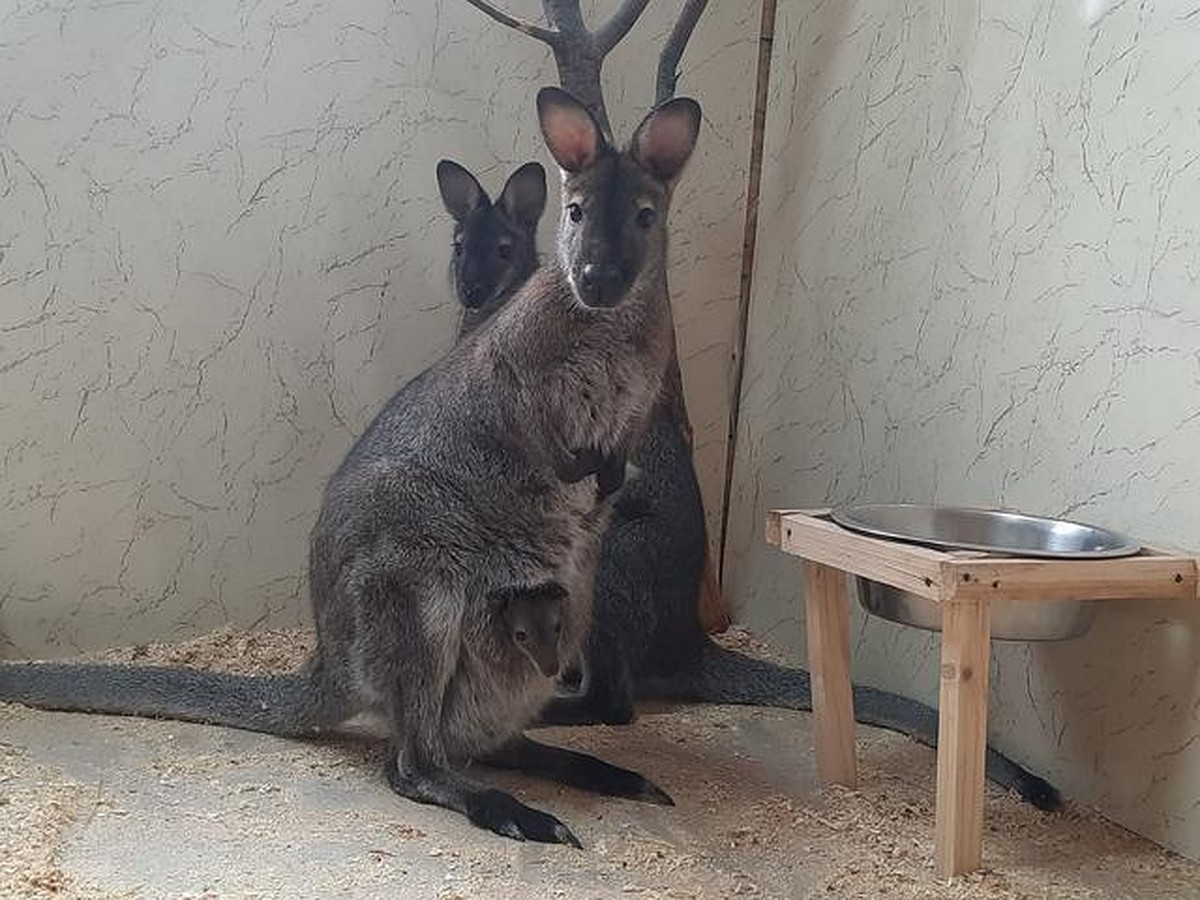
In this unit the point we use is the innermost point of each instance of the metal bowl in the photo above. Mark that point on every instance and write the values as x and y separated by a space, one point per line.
987 530
990 531
1012 620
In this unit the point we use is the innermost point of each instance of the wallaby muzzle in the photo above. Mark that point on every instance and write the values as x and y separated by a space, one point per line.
546 661
600 285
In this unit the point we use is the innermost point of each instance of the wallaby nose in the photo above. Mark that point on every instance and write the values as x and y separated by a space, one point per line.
597 275
599 282
548 665
571 679
471 293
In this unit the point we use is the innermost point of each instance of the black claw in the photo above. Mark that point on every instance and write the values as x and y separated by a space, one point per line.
632 786
564 836
508 830
652 793
506 816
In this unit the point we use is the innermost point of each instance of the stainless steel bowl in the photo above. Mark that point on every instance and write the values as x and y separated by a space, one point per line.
1012 620
991 531
987 530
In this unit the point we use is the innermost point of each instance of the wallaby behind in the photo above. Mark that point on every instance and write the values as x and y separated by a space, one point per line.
495 244
454 493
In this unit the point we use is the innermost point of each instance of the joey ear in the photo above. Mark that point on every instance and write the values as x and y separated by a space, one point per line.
571 133
524 194
461 192
664 141
552 591
547 594
498 599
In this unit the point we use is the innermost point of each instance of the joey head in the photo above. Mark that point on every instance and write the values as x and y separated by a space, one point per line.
532 619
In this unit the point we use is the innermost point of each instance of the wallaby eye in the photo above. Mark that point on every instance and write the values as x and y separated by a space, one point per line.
575 211
646 216
520 635
504 251
458 248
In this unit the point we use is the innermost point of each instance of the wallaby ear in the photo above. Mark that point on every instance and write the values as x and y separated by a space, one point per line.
551 592
572 135
524 194
666 138
498 599
461 192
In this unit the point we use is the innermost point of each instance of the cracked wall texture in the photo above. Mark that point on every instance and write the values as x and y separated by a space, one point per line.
221 249
977 283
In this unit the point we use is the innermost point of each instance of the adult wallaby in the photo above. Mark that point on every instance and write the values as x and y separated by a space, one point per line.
467 483
646 640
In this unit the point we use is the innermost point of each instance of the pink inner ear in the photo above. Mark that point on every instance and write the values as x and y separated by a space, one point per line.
666 140
573 141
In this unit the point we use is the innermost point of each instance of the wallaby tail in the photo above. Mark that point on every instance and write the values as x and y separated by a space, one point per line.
726 676
920 722
290 705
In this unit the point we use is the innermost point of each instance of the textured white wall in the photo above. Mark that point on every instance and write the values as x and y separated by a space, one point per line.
977 283
221 249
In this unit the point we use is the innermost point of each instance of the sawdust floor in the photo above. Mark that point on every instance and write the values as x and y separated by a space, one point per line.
94 806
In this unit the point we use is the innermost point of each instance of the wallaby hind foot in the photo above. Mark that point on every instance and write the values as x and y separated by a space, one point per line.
576 769
484 807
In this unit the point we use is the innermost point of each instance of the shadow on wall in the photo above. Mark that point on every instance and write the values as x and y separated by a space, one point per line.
1124 697
791 163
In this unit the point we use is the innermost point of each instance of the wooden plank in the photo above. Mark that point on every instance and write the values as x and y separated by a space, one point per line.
829 668
965 575
907 566
962 737
1144 577
775 521
713 607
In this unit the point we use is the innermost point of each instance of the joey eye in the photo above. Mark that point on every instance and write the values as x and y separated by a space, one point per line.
646 216
504 251
575 211
520 635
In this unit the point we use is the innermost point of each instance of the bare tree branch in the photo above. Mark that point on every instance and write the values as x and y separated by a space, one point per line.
611 32
672 52
566 17
577 58
545 35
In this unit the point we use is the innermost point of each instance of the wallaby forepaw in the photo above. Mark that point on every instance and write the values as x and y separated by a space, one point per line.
577 465
610 477
505 815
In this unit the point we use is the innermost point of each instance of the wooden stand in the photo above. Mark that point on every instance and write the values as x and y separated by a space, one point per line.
965 584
